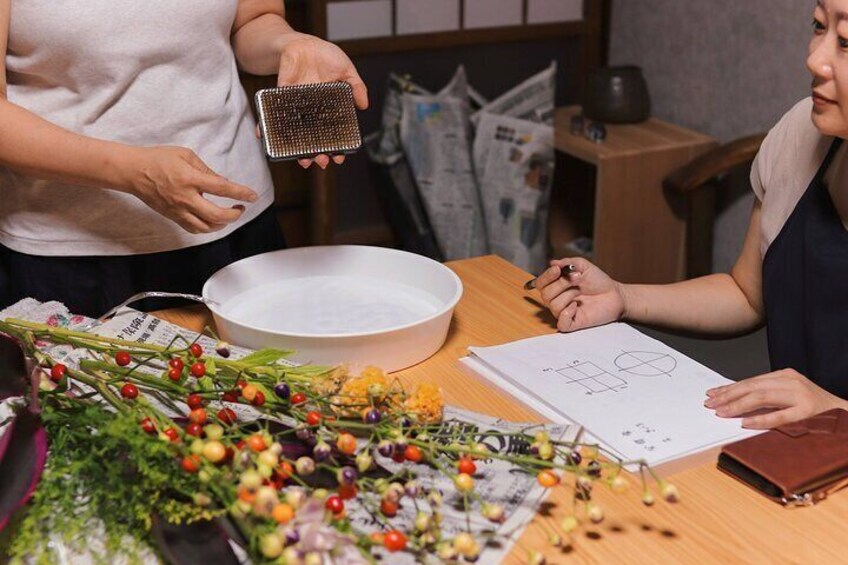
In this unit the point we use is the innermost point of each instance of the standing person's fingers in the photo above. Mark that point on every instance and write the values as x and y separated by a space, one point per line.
214 214
322 161
219 186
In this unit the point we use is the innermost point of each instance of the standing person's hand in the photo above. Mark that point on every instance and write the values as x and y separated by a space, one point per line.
307 59
172 180
582 299
771 400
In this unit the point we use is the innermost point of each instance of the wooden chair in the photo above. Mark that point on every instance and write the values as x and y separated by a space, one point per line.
698 183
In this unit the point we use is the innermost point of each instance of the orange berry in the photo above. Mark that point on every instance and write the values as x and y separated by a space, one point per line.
249 392
547 478
191 463
246 495
197 416
285 470
389 509
256 443
394 540
413 453
346 492
346 443
283 513
466 465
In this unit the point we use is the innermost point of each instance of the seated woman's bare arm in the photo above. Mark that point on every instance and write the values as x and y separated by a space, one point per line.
720 303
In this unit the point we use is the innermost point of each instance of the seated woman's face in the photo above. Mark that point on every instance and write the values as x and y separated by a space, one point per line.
828 62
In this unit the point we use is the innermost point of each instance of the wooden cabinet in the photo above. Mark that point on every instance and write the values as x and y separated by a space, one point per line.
612 192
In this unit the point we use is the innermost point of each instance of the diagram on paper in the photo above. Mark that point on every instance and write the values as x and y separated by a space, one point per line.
591 377
596 379
646 364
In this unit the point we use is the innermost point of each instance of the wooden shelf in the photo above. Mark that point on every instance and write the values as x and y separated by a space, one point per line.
623 140
638 230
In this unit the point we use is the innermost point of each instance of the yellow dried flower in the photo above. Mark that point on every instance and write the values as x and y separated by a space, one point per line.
356 392
426 403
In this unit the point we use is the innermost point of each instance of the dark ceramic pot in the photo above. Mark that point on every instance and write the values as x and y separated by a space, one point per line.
617 95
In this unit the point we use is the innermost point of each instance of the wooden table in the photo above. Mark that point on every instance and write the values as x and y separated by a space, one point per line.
717 521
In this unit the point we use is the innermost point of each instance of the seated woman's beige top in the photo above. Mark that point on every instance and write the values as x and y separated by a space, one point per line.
788 160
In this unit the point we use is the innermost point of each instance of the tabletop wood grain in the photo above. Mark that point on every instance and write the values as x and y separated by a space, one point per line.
717 520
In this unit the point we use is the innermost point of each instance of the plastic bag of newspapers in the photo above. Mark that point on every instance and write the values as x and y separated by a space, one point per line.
396 186
435 135
514 164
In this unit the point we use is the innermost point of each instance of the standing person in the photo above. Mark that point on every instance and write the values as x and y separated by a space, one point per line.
129 159
792 273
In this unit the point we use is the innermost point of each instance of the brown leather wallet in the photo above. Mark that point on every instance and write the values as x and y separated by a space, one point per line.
798 464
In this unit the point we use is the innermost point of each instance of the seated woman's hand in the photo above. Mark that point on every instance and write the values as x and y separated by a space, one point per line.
585 298
307 59
172 180
772 400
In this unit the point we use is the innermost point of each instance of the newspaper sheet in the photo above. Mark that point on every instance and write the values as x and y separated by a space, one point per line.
436 139
498 483
514 162
404 208
532 100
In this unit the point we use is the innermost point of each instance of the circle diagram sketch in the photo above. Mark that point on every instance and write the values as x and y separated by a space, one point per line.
646 364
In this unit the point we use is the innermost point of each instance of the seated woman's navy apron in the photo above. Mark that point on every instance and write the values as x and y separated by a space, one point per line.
805 289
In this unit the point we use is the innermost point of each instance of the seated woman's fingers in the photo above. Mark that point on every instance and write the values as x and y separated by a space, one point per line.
563 300
338 159
550 275
774 419
305 163
722 394
580 264
755 399
566 321
554 289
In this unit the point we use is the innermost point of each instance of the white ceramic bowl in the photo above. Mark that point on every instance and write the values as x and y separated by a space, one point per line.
338 304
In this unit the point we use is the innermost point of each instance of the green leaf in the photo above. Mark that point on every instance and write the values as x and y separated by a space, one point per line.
265 357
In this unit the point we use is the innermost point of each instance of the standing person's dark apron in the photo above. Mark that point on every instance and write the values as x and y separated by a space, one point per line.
805 289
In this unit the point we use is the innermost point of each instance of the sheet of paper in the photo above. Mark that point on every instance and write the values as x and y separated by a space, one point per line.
639 397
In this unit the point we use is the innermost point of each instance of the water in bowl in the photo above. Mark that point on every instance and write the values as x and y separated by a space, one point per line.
331 305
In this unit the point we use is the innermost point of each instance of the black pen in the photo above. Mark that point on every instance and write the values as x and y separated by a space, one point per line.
564 272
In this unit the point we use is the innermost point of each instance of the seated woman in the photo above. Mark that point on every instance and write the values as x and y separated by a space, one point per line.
792 273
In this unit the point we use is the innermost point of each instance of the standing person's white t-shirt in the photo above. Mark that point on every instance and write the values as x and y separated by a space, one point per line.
151 72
